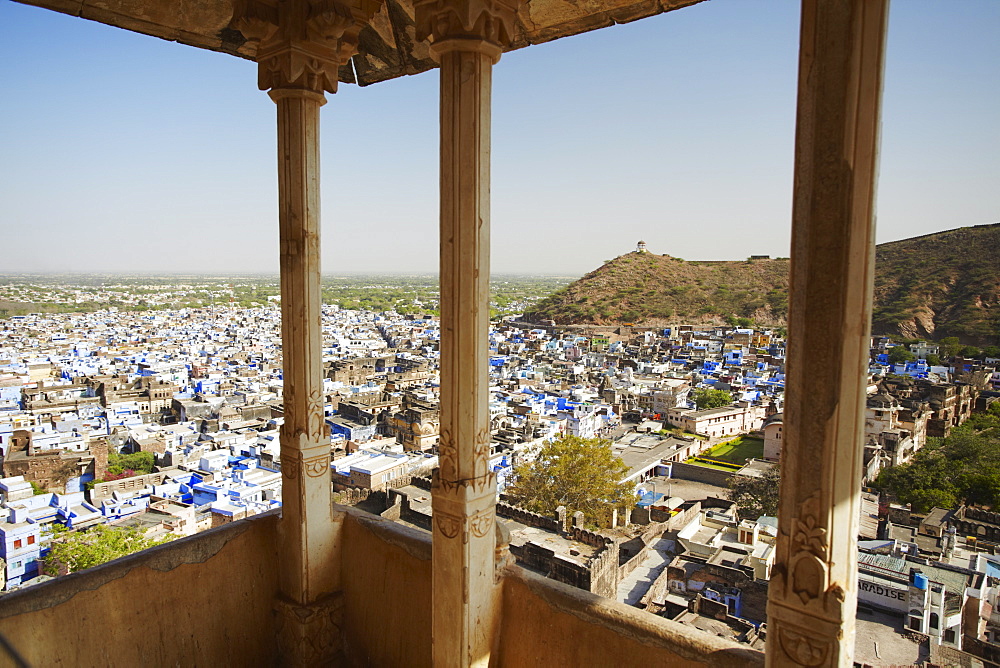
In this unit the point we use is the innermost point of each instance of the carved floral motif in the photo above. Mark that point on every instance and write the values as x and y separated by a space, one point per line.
316 422
481 523
448 525
309 635
292 464
290 467
447 454
481 452
317 466
802 649
808 536
478 484
809 575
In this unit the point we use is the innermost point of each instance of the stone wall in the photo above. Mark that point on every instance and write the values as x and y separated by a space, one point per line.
629 558
104 490
982 524
604 571
715 477
169 588
598 575
528 518
588 537
49 470
548 624
409 514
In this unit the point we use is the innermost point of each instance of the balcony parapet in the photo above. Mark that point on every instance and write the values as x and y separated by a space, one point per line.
210 598
204 596
551 623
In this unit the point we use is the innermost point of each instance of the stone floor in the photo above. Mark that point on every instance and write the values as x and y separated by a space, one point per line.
688 490
879 642
638 582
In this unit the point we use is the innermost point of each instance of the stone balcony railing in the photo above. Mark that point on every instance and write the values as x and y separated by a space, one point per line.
208 600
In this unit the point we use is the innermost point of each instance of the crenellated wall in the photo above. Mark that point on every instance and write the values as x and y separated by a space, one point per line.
528 518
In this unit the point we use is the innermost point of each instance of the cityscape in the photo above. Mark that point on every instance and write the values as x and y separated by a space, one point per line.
608 334
159 418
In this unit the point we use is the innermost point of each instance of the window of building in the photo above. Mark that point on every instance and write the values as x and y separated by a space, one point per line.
17 543
31 540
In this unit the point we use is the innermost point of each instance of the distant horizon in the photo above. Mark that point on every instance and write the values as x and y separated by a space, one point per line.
275 274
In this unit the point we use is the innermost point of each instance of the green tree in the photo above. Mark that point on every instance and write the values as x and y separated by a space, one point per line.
582 474
987 421
755 496
970 351
899 355
962 468
992 352
78 550
950 346
933 360
138 462
706 397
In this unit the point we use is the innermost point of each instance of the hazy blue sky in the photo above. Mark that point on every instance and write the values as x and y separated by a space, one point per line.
120 152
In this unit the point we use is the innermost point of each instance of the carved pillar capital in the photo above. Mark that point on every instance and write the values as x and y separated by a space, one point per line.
302 43
466 25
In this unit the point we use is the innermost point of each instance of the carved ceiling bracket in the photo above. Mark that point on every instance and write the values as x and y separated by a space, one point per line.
472 25
302 43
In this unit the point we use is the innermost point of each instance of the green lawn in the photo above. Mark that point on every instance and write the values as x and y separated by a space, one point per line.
708 465
738 450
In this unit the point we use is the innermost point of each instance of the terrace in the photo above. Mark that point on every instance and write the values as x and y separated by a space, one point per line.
321 584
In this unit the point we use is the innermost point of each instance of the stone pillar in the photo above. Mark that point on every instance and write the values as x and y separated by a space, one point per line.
813 591
301 45
466 38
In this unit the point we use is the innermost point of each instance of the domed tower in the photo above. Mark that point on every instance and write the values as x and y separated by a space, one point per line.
640 247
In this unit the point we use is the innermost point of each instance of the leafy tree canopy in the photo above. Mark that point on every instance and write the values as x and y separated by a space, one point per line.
706 397
899 355
85 549
125 466
582 474
962 468
755 496
950 346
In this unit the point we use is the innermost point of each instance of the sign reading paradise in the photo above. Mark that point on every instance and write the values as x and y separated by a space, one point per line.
883 595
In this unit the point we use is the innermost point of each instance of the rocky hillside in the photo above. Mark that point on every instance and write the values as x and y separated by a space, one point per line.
944 284
938 285
644 288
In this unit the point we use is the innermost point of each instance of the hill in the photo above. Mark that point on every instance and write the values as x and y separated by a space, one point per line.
645 288
938 285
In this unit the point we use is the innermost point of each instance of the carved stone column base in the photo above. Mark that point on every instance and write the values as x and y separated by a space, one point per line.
309 635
